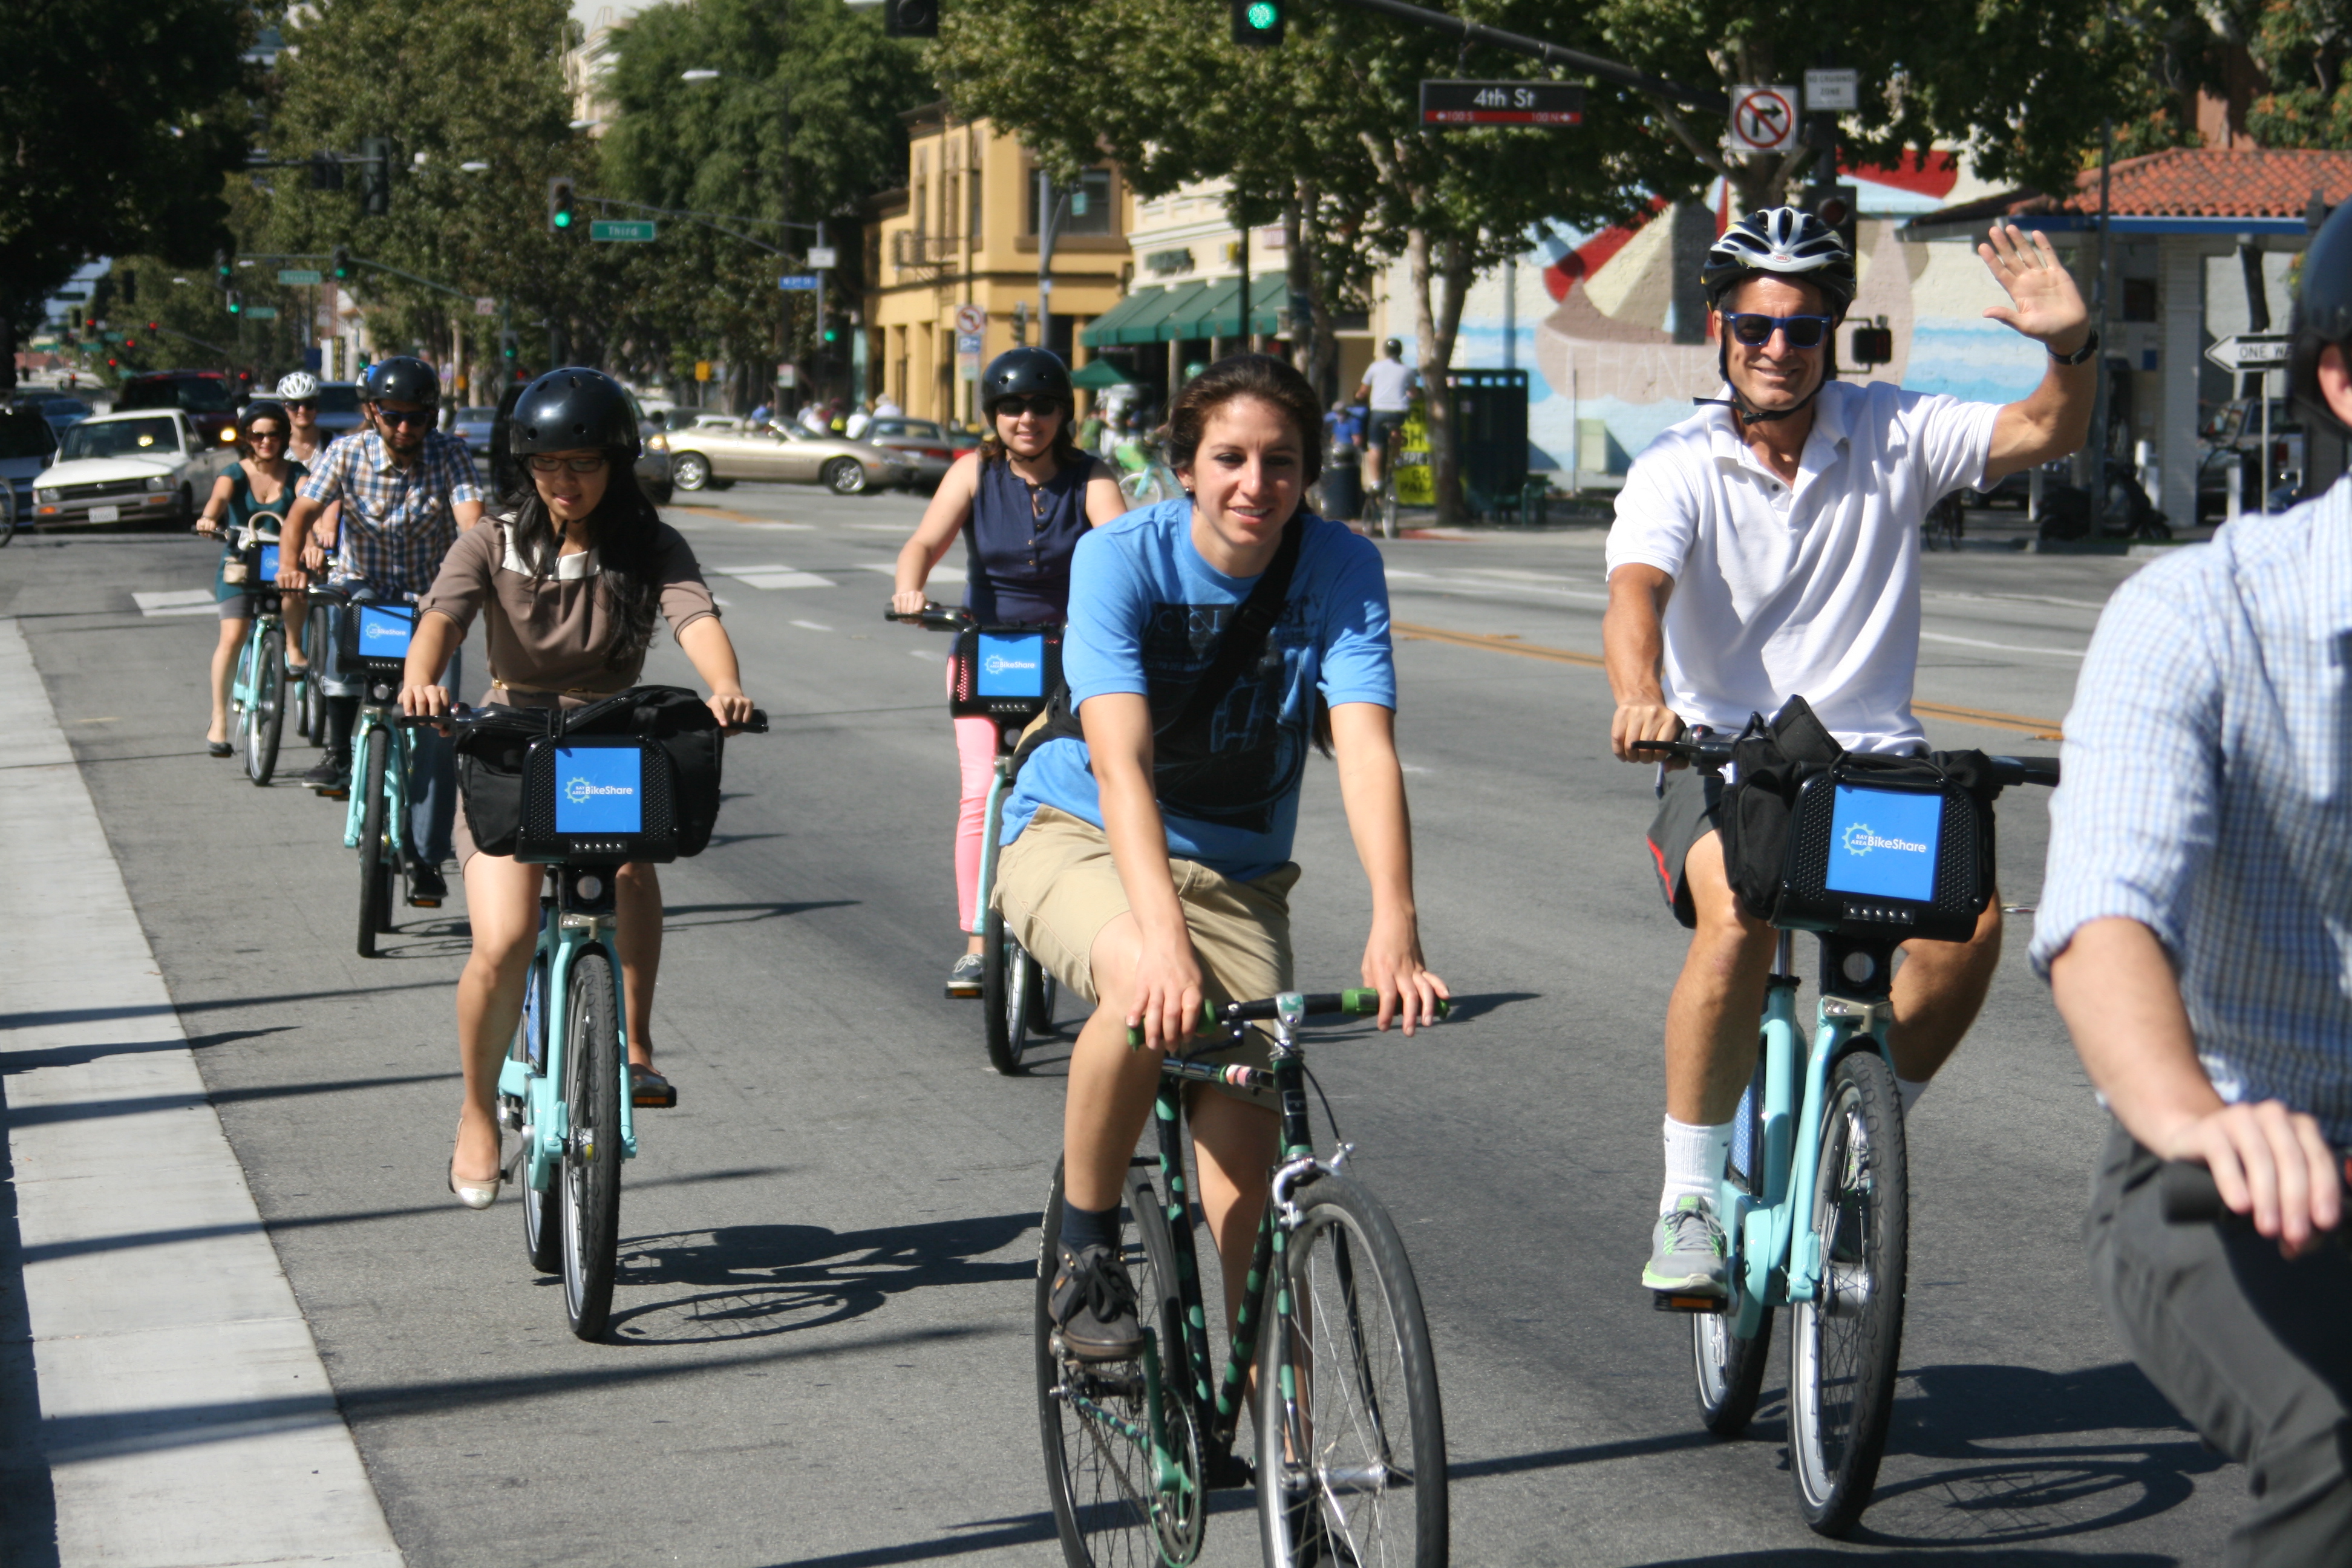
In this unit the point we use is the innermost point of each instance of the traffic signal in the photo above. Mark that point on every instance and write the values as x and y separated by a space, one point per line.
507 343
1838 207
326 172
221 268
560 216
342 262
1020 323
155 326
910 18
1258 24
377 156
130 287
236 303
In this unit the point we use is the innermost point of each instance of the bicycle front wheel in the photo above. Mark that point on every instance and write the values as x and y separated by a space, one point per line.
542 1213
310 721
265 720
1351 1433
375 855
1001 996
1113 1508
1845 1343
590 1179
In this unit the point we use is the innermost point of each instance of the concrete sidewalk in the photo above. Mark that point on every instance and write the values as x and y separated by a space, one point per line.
161 1398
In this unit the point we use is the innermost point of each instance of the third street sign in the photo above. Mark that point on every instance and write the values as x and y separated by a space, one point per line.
1456 103
620 228
2252 351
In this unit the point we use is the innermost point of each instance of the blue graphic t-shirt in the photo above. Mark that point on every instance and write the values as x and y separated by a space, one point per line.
1146 613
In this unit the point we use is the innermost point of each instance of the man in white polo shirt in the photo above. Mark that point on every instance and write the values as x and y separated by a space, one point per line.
1767 547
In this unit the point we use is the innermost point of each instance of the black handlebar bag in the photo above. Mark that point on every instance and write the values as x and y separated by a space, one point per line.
1816 837
373 636
495 759
1006 672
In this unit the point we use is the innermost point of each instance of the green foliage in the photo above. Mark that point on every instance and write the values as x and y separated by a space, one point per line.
2303 46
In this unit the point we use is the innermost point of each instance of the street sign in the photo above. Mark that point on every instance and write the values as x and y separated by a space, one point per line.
788 375
702 370
622 228
2252 351
822 257
1461 103
806 281
967 343
485 306
971 319
1763 119
297 277
261 312
1833 90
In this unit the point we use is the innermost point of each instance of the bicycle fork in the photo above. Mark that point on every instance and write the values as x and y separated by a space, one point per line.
992 824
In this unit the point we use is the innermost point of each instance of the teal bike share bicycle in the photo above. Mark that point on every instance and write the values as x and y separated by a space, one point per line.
1350 1431
375 637
590 805
264 685
1814 1199
1004 674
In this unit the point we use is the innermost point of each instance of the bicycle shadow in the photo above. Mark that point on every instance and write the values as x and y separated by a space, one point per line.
756 1280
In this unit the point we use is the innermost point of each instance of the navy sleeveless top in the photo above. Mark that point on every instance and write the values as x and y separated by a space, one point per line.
1018 543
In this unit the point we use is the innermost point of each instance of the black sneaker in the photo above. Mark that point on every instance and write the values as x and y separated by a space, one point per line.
330 778
1093 1304
427 886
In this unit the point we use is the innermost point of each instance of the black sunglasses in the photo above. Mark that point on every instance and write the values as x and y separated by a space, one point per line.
406 416
1755 331
1017 406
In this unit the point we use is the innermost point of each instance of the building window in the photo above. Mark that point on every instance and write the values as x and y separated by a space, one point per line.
922 202
1092 194
2139 298
972 191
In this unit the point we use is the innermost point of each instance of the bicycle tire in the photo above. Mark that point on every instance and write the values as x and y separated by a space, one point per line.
1730 1371
375 869
1107 1510
1044 993
1388 507
590 1180
313 725
543 1219
998 993
265 720
1378 1493
1844 1346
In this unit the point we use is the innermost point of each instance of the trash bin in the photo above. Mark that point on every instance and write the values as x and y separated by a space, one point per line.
1343 486
1490 434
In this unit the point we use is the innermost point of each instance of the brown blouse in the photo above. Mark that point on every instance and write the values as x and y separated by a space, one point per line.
551 636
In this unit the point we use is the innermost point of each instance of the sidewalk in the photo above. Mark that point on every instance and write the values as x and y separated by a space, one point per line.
161 1399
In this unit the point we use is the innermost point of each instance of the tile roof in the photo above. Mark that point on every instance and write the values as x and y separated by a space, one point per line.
2185 181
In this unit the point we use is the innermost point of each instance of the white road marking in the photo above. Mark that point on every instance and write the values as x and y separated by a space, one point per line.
942 573
773 576
811 626
795 526
927 654
175 602
2000 647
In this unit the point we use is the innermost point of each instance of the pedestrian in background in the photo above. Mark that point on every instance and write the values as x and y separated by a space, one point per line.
860 416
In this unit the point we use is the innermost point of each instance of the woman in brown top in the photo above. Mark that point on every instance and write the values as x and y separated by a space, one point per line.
568 581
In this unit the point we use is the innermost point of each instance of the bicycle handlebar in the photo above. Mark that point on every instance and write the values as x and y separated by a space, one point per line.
2190 1195
1711 752
1360 1001
932 617
463 717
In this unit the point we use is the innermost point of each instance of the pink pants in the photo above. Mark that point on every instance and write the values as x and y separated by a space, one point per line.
976 770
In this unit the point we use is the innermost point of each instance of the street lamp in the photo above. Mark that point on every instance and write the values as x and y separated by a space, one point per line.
698 76
473 168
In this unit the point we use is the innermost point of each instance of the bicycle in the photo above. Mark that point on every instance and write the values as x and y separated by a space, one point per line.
1005 674
257 690
591 805
1356 1455
374 637
1814 1199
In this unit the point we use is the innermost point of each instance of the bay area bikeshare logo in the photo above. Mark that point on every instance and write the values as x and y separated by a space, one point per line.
599 789
1000 664
1860 839
581 790
1883 842
1012 667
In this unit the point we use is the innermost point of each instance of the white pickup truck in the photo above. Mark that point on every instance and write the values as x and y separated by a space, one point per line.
120 467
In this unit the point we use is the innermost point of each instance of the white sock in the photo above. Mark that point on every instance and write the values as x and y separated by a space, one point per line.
1910 1093
1695 1159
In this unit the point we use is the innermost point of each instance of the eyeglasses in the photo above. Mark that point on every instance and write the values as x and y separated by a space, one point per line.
406 416
540 465
1017 406
257 437
305 407
1755 331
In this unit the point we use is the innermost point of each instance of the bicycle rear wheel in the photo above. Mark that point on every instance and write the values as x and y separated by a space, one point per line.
1001 960
1110 1509
590 1180
542 1218
265 720
1844 1345
1352 1432
375 855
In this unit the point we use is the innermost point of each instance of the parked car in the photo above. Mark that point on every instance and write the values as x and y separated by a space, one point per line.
115 468
26 444
339 408
473 427
63 410
927 449
208 397
703 456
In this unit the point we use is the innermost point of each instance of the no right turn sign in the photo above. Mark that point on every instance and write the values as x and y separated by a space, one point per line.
1763 119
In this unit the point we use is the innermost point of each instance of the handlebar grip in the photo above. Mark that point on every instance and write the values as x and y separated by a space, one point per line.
1365 1002
1208 1020
757 724
2189 1194
2043 771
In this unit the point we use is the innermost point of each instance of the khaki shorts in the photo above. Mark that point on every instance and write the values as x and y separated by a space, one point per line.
1058 888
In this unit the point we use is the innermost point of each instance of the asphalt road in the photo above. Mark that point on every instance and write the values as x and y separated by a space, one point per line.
822 1345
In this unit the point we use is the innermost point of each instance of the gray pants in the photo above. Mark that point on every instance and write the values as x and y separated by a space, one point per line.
2251 1348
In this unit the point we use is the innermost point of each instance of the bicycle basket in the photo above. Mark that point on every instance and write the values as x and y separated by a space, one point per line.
597 800
1006 672
374 637
1892 851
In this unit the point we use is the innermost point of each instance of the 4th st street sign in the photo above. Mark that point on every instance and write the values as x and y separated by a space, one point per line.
2252 351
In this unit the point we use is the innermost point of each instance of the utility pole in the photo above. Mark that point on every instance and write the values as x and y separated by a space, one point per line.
2100 293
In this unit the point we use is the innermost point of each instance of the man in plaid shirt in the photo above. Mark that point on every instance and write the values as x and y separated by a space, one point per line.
2196 925
408 491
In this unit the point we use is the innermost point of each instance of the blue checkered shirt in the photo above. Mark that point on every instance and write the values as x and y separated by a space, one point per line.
396 524
2208 794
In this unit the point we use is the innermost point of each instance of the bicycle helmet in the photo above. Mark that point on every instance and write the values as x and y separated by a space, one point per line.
2323 308
298 387
1393 346
402 378
1024 373
571 408
1784 242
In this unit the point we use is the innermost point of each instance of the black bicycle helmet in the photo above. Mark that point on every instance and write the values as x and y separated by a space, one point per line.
2323 308
402 378
574 407
1024 373
1781 242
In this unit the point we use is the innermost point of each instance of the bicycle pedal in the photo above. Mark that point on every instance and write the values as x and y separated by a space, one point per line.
1234 1472
963 993
1674 1302
418 903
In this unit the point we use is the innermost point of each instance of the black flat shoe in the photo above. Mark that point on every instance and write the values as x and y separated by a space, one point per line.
220 748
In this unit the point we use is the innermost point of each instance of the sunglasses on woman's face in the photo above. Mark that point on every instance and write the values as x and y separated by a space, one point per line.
1014 407
540 465
1756 331
257 437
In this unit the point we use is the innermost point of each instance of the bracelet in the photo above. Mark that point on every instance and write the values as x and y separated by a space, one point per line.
2089 346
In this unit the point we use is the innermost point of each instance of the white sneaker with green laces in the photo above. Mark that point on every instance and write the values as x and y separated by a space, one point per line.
1687 1256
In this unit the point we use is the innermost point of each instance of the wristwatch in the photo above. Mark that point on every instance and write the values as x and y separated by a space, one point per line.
2089 346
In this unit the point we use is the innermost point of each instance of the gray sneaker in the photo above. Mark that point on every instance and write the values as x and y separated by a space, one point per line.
1688 1257
964 979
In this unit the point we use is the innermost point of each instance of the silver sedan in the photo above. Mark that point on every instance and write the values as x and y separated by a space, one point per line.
705 455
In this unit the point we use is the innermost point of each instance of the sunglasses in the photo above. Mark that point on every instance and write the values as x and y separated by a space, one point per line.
1017 406
259 435
406 416
1756 331
540 465
299 408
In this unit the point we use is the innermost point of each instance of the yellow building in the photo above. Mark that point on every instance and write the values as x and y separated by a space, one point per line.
957 249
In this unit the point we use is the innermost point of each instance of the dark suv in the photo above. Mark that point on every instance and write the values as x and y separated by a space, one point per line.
208 397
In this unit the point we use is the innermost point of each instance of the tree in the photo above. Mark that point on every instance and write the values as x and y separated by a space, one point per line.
120 119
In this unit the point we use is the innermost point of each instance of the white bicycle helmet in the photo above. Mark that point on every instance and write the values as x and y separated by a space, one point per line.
1786 242
300 386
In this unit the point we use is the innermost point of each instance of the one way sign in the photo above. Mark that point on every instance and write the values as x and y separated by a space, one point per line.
2252 351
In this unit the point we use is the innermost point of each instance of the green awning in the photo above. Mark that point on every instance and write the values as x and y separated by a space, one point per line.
1132 321
1097 376
1217 313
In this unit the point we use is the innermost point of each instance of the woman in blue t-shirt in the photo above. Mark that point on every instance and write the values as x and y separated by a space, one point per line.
1151 867
1021 502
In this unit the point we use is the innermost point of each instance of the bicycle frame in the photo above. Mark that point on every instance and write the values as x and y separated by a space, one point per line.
243 689
373 717
568 927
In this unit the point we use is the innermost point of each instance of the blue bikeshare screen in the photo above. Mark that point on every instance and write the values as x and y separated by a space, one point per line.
599 789
268 563
385 631
1011 665
1883 842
